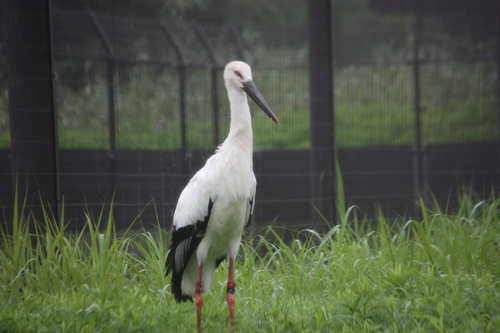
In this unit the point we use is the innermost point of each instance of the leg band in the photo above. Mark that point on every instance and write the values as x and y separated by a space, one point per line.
199 287
231 287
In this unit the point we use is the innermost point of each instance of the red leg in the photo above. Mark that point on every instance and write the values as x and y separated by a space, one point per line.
231 286
199 299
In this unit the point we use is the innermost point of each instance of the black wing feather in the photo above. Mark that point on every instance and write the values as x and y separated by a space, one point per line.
219 261
185 240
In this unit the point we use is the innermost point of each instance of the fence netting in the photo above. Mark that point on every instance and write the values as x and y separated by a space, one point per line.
146 84
374 94
374 80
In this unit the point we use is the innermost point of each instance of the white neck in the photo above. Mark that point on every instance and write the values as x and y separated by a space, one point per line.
240 131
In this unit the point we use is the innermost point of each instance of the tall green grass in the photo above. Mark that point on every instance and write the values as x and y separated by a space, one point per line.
437 274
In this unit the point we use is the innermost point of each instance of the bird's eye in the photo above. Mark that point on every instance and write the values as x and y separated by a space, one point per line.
238 74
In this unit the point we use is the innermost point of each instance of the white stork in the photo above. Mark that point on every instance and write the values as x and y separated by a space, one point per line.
217 203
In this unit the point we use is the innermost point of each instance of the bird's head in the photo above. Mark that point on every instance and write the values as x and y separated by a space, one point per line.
238 74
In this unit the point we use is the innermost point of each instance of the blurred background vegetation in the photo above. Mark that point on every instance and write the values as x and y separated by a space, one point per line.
374 88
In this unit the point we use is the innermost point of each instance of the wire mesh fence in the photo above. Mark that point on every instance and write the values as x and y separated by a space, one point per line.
166 85
146 95
374 102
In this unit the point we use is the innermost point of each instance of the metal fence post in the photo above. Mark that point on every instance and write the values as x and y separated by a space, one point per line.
182 64
237 39
322 107
418 169
498 95
213 79
33 118
110 69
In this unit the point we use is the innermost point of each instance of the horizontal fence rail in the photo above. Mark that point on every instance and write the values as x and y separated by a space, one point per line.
148 183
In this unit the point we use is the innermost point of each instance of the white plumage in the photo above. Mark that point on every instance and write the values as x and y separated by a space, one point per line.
217 203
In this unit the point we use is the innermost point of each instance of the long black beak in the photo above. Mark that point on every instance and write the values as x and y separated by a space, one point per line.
252 91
